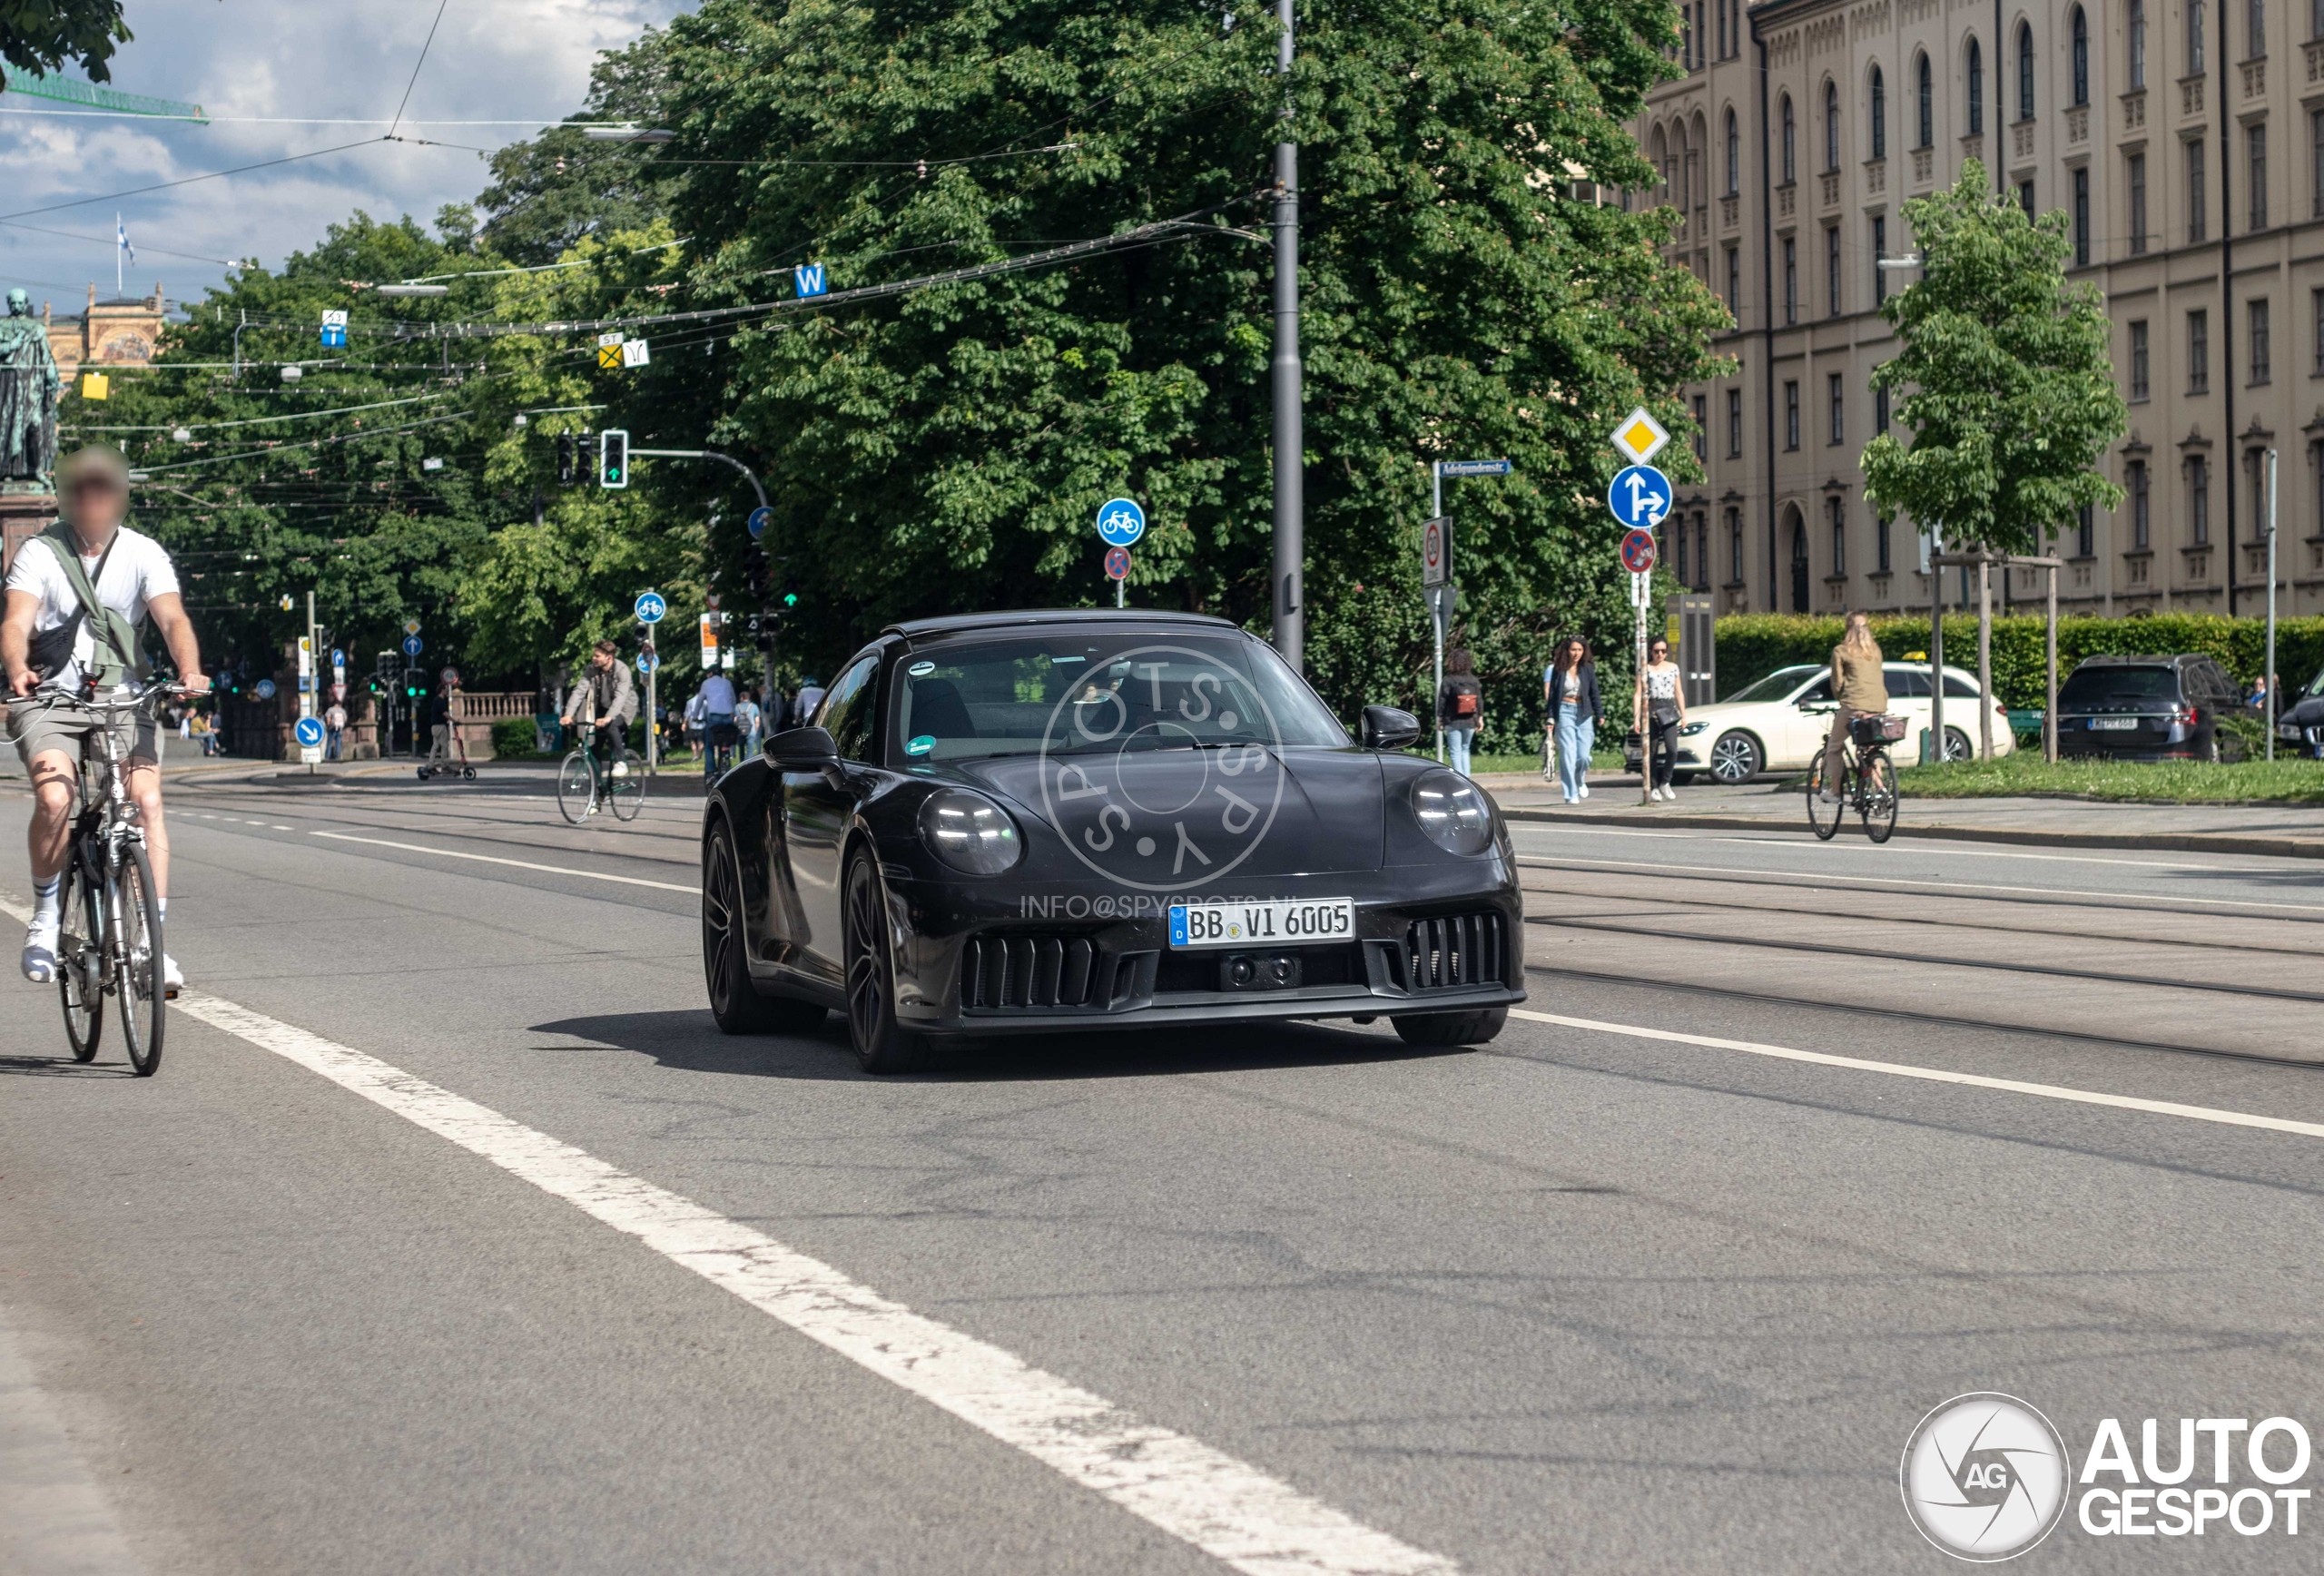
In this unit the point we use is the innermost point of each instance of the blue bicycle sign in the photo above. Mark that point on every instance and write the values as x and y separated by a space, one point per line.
1121 522
651 608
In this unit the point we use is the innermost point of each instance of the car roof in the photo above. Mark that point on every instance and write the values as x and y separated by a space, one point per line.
2157 660
965 623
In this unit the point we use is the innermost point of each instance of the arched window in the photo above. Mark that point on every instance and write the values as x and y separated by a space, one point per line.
2081 30
2137 26
1658 152
1831 127
1879 114
1976 90
2025 70
1791 144
1734 157
1925 112
2194 37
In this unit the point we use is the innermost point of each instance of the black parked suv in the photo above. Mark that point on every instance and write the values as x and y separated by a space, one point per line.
2300 727
2151 708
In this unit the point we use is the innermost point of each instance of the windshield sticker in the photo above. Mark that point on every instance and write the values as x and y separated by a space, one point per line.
920 746
920 669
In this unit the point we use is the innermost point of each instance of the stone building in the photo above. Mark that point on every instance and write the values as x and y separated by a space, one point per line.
2185 141
122 331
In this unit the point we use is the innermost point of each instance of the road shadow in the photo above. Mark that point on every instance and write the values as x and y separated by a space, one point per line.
690 1041
61 1066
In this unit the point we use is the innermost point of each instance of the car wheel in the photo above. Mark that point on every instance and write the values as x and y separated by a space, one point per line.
1735 757
1471 1028
1957 746
882 1044
735 1002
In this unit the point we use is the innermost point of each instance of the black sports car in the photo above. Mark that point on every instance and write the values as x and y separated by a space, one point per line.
1020 822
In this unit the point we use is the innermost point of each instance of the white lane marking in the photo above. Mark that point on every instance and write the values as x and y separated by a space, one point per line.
1226 1507
1550 862
517 864
280 828
1939 1075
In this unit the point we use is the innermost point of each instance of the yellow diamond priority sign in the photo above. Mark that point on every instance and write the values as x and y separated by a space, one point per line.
1639 435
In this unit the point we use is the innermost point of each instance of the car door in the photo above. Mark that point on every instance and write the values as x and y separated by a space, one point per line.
1801 730
1908 697
817 808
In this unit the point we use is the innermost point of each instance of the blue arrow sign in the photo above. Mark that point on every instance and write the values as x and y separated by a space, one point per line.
309 731
411 646
647 662
1121 522
1473 468
1639 496
651 608
761 518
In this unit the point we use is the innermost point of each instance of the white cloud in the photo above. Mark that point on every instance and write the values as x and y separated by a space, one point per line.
523 60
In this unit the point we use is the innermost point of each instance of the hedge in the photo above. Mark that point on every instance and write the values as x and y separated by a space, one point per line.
515 738
1753 644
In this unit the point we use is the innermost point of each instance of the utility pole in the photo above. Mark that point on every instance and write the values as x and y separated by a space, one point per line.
2271 705
1290 437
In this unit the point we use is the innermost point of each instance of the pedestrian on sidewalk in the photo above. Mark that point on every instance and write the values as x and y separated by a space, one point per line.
1859 687
334 731
1657 709
1570 687
1460 707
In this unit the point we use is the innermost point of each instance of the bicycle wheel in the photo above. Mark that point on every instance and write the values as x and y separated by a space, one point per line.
135 950
80 961
577 787
625 791
1878 800
1824 819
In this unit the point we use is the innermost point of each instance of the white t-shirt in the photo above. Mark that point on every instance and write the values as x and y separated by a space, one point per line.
138 570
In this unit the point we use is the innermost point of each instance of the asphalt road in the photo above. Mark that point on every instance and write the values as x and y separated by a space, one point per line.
1661 1280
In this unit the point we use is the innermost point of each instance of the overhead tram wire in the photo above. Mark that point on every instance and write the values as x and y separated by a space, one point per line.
405 102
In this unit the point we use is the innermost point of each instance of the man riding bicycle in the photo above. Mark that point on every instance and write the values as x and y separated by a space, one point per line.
606 698
76 597
716 698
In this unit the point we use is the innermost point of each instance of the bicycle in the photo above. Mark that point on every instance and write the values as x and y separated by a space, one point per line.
109 932
581 786
1867 780
722 746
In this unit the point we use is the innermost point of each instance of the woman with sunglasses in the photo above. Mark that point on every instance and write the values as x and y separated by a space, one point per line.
1658 707
1576 713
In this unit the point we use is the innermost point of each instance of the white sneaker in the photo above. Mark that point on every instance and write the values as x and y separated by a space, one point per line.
172 977
39 954
1583 790
1827 796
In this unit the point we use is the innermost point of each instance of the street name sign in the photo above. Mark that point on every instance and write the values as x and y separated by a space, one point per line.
1473 468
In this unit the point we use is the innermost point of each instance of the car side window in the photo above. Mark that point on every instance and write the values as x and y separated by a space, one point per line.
1907 684
1815 694
847 711
1959 688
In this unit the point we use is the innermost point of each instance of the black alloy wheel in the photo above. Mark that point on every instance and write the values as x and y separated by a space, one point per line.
882 1044
735 1002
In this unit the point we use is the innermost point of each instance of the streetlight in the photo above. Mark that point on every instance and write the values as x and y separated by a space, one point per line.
626 134
1904 262
415 290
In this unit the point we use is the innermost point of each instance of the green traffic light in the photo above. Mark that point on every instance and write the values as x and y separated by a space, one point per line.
791 598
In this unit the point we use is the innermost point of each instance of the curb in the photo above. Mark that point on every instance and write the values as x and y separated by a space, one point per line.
2166 842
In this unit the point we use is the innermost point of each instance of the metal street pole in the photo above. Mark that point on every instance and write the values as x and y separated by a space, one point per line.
1984 658
311 679
1290 439
2268 708
1435 619
2050 672
1937 641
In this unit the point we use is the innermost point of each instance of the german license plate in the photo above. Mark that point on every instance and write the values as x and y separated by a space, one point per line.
1284 923
2122 724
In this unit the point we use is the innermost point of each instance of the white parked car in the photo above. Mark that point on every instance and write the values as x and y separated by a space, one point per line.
1779 723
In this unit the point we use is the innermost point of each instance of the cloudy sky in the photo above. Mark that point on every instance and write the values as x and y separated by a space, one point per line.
274 74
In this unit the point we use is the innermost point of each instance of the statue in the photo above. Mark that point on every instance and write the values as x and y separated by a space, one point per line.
29 384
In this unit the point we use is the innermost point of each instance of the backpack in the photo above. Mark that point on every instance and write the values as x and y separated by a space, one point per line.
1465 702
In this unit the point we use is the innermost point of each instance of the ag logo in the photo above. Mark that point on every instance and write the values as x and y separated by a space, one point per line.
1161 767
1985 1477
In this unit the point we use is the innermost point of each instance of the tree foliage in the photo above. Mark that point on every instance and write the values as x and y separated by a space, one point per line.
2004 378
42 35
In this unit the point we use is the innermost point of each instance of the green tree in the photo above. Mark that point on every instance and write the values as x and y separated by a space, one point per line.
550 193
2004 379
40 36
1465 293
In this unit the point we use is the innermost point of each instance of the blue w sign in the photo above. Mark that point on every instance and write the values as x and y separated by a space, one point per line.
811 279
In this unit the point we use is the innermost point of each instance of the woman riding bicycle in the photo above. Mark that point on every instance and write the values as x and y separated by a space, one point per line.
1859 687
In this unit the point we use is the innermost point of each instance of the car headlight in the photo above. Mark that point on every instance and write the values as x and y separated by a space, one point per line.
1452 812
2287 730
970 833
1688 730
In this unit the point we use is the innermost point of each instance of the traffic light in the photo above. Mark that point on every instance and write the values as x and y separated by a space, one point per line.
755 573
565 460
612 458
415 685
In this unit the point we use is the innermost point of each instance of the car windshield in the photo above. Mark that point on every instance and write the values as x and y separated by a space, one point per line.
1144 689
2316 684
1774 687
2111 686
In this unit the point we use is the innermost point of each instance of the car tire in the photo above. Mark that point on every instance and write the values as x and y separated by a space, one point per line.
735 1003
882 1044
1957 745
1444 1029
1735 757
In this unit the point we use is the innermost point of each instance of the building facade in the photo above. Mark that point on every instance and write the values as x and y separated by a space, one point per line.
2185 141
123 331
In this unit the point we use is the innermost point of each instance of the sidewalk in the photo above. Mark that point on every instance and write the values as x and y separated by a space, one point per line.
2276 830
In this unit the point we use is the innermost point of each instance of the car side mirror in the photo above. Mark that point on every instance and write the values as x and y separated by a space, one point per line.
1387 728
803 750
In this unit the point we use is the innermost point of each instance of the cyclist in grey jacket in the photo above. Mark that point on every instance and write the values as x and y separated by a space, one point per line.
606 698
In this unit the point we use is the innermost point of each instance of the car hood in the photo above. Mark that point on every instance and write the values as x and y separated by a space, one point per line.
1185 817
2308 714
